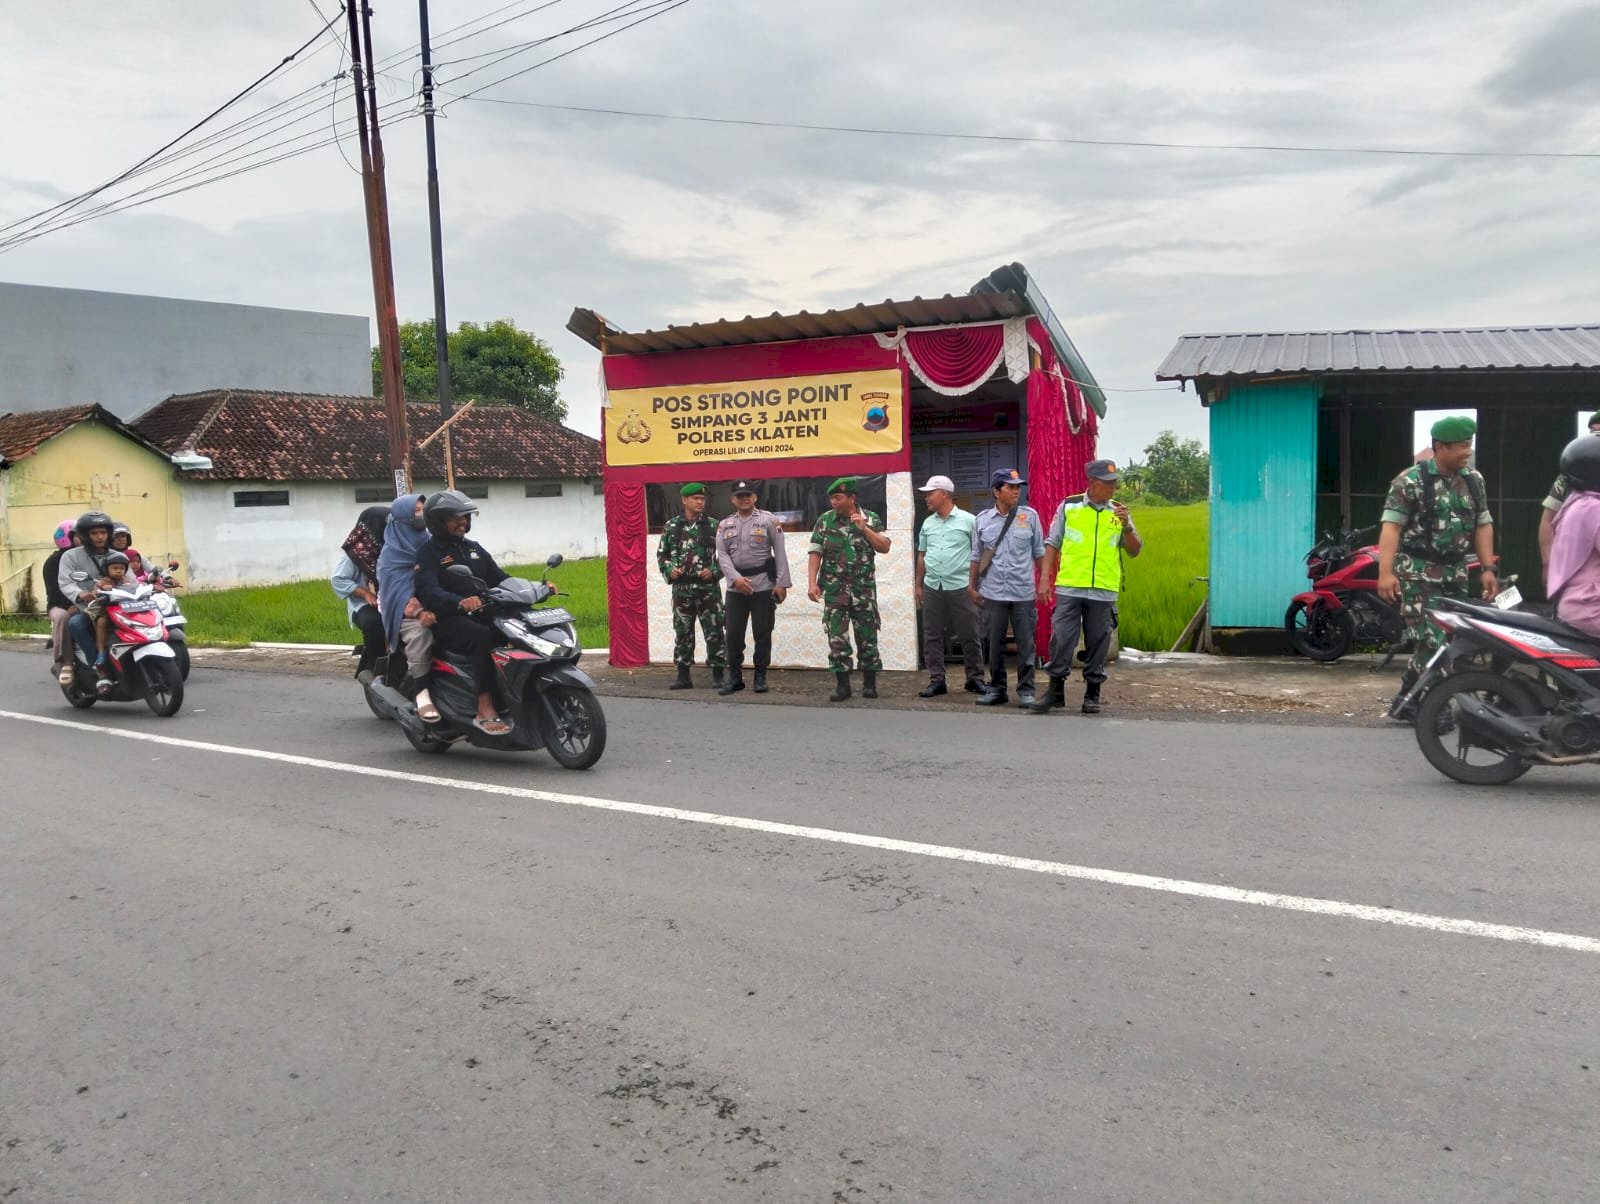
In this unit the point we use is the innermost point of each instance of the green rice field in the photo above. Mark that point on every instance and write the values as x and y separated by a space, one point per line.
307 612
1160 594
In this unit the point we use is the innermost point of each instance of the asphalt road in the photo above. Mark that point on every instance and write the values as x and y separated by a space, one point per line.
239 978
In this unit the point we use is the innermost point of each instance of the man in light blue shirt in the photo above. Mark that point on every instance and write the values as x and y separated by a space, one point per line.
1006 552
944 557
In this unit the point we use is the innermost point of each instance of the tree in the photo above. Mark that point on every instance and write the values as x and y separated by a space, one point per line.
1177 469
494 363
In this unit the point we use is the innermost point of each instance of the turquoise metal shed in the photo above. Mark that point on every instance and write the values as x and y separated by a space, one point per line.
1308 429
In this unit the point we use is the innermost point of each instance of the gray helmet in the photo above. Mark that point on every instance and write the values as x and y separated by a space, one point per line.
121 529
1580 463
89 520
445 505
116 558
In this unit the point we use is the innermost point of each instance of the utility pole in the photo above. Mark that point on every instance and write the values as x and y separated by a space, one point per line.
377 201
441 332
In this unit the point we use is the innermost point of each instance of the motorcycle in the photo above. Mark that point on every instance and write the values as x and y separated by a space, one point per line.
549 701
172 615
142 664
1343 608
1536 703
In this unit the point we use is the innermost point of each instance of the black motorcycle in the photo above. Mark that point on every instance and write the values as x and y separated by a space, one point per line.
548 700
1508 690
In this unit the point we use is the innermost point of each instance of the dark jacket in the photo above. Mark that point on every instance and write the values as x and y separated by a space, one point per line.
441 591
53 597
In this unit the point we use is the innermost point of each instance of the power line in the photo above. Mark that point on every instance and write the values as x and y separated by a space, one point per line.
502 53
538 8
661 12
74 202
1030 138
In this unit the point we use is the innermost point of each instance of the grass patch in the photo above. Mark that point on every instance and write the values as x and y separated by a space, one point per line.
1161 594
307 612
23 625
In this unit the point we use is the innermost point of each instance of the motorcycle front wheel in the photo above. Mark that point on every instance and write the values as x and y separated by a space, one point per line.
1318 633
165 686
576 735
1447 745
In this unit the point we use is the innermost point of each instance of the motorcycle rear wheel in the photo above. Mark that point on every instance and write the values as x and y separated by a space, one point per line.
165 685
1318 633
1436 723
577 735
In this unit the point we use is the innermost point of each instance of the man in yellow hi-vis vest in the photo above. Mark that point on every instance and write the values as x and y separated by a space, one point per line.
1083 567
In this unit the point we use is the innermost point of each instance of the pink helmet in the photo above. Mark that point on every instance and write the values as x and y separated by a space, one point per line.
64 533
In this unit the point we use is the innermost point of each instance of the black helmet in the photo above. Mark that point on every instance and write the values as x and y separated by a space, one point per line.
445 505
89 520
121 529
116 558
1580 463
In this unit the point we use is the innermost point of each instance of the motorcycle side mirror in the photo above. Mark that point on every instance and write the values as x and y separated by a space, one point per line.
555 560
173 565
459 570
80 576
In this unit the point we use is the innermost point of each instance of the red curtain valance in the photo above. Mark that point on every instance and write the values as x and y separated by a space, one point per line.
957 359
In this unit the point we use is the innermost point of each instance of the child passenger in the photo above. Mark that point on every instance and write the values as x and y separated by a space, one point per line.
117 577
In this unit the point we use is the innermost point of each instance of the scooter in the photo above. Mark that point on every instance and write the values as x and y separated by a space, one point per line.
172 615
1507 691
1343 608
549 701
142 662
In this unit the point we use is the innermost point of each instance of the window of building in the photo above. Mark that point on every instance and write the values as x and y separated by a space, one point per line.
260 497
599 489
478 492
542 489
368 495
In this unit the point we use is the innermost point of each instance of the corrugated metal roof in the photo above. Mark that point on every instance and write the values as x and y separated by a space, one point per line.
1489 348
1005 293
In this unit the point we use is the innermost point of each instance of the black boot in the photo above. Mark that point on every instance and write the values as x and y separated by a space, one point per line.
761 681
717 676
841 691
735 682
1091 698
1054 698
1408 712
869 683
684 681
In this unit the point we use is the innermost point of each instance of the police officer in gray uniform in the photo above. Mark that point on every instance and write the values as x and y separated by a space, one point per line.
751 556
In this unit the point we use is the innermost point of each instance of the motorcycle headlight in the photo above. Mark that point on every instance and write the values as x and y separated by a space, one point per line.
543 646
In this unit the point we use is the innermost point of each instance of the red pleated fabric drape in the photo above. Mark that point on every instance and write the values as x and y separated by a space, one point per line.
1056 456
627 527
961 358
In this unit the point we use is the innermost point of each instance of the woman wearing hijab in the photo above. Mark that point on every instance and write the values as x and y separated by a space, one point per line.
355 580
1574 573
405 622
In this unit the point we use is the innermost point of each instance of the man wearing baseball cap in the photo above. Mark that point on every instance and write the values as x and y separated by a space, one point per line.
943 574
1007 547
1083 568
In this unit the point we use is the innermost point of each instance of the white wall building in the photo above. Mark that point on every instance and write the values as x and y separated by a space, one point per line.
289 474
67 346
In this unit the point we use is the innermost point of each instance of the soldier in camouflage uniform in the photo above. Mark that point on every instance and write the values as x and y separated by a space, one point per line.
844 543
687 558
1435 516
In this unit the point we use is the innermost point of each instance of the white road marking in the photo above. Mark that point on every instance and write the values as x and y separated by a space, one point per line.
1058 869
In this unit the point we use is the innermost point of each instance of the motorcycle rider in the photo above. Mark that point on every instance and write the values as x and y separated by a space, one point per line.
58 604
1560 489
88 559
121 537
1575 547
1436 513
454 599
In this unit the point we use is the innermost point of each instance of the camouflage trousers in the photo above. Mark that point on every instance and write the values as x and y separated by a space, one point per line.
1421 584
702 602
839 613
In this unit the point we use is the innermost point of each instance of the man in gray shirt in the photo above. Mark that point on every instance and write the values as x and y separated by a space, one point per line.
1006 552
751 556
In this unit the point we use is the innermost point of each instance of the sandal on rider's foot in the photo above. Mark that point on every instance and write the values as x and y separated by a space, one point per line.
66 675
493 726
427 712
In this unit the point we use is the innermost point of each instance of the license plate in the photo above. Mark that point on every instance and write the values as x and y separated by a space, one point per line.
548 618
1508 598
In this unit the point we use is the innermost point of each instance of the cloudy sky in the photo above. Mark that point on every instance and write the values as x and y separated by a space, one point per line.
652 221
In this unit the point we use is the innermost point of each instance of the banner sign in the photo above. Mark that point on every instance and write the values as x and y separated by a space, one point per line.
838 414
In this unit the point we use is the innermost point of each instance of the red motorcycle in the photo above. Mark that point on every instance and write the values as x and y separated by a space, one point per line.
142 666
1343 608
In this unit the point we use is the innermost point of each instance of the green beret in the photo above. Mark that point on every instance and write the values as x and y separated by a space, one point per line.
1594 419
842 485
692 488
1454 430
